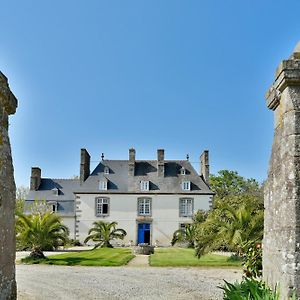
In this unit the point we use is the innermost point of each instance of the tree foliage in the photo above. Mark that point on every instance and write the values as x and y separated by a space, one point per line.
237 215
185 235
103 232
40 232
21 195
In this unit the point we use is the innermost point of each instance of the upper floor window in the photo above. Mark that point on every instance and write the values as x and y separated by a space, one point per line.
103 185
55 191
106 170
182 171
186 185
102 207
186 207
144 185
144 206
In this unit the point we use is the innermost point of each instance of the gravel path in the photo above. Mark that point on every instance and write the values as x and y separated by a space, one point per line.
43 282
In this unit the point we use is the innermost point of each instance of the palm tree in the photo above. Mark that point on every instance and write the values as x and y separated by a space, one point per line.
227 226
40 232
185 235
102 233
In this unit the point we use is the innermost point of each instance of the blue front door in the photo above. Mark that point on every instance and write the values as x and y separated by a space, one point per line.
144 233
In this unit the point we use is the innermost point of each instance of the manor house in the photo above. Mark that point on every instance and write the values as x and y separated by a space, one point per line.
150 199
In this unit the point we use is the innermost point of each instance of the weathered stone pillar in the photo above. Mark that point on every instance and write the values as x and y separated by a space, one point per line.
8 104
281 252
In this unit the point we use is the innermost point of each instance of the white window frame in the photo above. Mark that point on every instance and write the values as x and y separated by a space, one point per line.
103 185
52 205
99 205
144 185
106 170
186 207
186 185
144 206
182 171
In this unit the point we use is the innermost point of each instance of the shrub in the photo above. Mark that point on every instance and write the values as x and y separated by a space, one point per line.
252 261
248 289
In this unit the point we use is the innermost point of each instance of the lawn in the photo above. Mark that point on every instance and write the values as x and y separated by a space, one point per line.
182 257
98 257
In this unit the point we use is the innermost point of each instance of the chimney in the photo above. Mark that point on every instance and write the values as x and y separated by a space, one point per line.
84 165
160 162
131 162
204 166
35 179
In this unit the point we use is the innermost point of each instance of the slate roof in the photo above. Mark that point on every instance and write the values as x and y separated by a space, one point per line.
66 188
120 182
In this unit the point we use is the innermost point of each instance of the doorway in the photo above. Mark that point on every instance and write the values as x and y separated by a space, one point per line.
144 233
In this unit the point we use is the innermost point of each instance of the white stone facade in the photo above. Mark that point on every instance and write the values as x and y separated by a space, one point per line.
164 217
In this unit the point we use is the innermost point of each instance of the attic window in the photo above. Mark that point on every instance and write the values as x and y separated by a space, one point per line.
103 185
106 170
186 185
55 191
182 171
144 185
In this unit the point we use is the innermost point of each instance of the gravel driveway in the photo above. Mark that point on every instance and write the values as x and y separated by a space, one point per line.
43 282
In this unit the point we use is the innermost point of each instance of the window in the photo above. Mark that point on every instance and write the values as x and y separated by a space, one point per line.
184 225
186 207
144 207
182 171
102 206
103 185
106 170
186 185
144 185
55 191
52 206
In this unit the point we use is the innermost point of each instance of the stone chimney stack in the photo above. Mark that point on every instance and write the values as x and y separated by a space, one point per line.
84 165
131 162
204 166
35 179
160 162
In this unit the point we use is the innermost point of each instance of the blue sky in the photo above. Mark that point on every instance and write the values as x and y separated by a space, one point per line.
109 75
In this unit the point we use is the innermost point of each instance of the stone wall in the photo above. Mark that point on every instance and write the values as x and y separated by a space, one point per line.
281 252
8 104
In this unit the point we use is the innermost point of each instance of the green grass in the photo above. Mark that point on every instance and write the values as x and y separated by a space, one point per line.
182 257
98 257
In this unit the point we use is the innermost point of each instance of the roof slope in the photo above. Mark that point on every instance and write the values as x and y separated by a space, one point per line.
120 182
46 191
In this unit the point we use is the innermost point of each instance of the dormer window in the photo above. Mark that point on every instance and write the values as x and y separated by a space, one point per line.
186 185
103 185
182 171
55 191
106 170
144 185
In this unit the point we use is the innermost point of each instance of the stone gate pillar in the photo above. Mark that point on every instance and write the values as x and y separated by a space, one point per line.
8 104
281 252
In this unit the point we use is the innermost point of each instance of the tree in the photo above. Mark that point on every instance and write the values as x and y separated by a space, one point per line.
230 183
40 232
230 227
102 233
185 235
236 219
21 195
